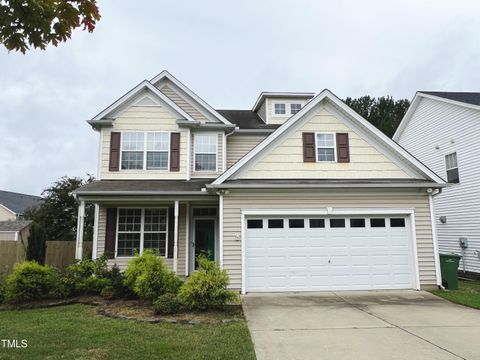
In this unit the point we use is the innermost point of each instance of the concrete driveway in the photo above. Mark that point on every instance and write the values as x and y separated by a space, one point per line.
361 325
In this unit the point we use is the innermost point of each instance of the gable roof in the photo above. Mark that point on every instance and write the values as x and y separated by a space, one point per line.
246 119
469 100
131 95
18 203
371 130
166 75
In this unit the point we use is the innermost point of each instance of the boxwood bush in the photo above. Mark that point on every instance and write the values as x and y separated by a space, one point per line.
148 276
207 287
31 281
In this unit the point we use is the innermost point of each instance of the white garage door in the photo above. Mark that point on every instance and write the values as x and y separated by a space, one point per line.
328 253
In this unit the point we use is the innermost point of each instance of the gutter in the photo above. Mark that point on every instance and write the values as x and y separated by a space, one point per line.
200 126
320 186
139 192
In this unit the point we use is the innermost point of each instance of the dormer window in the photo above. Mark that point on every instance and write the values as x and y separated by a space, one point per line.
294 108
142 150
280 109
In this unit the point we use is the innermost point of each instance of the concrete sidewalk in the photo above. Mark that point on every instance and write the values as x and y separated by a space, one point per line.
361 325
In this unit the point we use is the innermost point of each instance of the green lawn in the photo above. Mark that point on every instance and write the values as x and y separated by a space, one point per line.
468 294
77 332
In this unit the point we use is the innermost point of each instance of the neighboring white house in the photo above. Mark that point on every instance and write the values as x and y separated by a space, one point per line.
299 193
442 129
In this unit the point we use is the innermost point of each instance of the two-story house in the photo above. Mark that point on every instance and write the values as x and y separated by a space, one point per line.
442 129
298 194
12 207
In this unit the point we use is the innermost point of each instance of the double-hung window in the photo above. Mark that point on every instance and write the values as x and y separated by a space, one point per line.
294 108
145 150
325 147
140 229
451 164
280 109
205 152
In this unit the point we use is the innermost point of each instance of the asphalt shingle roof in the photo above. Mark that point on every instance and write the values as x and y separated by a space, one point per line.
472 98
246 119
17 202
14 225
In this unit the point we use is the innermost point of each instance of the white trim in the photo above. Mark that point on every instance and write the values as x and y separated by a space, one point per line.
205 153
224 151
16 235
189 155
134 92
187 238
95 231
220 230
175 237
436 252
80 227
274 114
416 100
173 79
327 95
264 95
99 150
193 218
335 155
288 107
410 213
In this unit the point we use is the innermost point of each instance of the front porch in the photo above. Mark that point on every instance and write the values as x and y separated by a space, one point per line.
179 227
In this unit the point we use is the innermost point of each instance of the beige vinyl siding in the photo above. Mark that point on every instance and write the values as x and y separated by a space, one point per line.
7 235
144 118
235 202
123 262
207 174
270 109
182 103
239 145
6 214
286 159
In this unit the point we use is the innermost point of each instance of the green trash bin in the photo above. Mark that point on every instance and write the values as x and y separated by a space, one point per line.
449 268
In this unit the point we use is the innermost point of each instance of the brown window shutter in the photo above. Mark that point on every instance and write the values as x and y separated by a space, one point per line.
114 163
111 232
171 232
175 152
309 147
343 148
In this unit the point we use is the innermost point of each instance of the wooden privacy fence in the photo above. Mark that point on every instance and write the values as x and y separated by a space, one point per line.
59 254
62 253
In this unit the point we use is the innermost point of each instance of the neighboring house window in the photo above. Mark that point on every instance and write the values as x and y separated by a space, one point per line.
280 109
452 168
205 152
140 229
325 147
294 108
145 150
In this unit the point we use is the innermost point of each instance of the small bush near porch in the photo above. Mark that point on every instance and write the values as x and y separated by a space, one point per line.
77 332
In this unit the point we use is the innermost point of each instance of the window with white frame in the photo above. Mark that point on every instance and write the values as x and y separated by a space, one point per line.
451 164
205 152
280 109
140 229
145 150
325 147
294 108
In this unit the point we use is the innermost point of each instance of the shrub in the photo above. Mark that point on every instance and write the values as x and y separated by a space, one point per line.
148 277
207 287
31 281
2 293
167 304
86 276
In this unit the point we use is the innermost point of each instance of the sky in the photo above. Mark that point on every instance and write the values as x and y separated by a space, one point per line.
227 52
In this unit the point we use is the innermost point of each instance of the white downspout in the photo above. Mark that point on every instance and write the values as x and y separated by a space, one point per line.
435 238
80 226
175 239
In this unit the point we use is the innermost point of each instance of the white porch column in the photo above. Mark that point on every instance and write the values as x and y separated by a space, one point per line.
80 226
175 239
220 229
95 231
187 239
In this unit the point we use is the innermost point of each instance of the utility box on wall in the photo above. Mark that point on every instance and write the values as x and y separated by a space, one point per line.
463 241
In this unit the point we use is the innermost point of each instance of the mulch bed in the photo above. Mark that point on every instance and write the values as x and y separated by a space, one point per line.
138 310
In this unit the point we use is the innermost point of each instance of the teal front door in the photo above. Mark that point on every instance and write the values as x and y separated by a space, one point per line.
204 238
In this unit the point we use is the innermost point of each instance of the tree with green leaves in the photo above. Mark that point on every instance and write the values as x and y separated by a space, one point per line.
38 23
383 112
37 244
59 209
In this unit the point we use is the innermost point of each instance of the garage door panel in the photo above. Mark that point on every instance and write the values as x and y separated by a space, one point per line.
304 259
